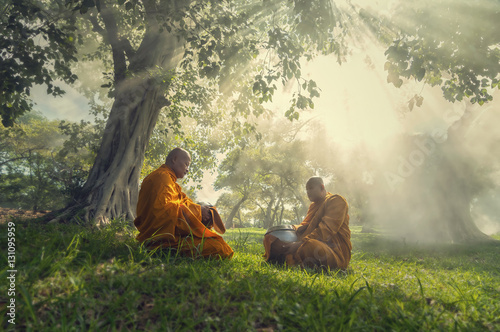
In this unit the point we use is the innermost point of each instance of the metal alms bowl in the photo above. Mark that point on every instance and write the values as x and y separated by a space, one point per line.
285 233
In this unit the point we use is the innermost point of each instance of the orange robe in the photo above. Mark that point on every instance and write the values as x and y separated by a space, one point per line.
162 209
324 234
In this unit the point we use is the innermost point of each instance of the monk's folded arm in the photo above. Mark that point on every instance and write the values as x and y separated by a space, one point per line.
170 207
186 213
170 201
299 230
334 217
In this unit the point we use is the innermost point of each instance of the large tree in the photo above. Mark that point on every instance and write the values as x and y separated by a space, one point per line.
452 44
172 53
208 40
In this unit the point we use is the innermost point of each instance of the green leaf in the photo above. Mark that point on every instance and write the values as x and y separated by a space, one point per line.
88 3
419 100
419 75
411 103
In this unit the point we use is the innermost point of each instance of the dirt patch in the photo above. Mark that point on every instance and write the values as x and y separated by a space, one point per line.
7 214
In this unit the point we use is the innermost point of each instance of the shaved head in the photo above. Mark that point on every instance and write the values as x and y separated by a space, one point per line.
314 181
178 160
315 188
175 153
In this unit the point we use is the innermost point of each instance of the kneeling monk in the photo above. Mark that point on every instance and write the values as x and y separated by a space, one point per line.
324 237
167 218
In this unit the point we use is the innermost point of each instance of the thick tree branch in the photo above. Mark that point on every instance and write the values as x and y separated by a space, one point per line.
129 50
151 10
22 155
5 162
125 43
157 36
97 27
120 64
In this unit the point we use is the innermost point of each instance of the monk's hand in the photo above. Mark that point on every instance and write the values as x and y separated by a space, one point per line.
292 247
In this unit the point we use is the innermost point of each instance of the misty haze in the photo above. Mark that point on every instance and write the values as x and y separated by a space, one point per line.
155 151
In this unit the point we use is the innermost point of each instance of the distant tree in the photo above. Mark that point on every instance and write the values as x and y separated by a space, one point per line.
457 178
266 177
238 173
230 209
452 44
40 168
38 47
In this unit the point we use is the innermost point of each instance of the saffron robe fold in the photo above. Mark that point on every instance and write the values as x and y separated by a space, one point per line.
167 218
324 235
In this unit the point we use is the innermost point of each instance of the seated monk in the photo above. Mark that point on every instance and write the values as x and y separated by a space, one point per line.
323 237
167 218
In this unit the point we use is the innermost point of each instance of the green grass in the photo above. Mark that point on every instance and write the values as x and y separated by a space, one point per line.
72 278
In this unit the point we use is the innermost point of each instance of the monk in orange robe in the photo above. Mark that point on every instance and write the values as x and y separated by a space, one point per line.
324 237
167 218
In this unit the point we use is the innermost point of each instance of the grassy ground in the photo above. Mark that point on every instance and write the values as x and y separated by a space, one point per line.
74 278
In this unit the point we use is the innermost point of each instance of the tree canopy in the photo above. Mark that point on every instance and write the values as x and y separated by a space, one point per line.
38 47
452 44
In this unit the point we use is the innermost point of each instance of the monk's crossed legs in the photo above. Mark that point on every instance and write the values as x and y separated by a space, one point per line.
313 253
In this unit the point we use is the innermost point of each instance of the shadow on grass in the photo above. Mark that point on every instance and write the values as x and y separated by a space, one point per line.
43 249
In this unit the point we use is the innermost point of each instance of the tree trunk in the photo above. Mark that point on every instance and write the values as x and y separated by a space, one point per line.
238 216
441 191
275 212
460 225
111 190
280 221
298 215
454 222
268 222
234 211
462 184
